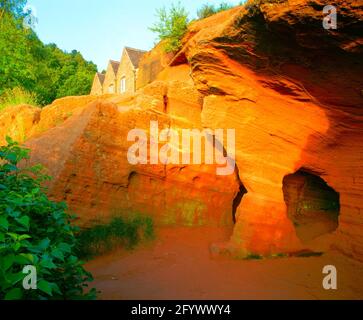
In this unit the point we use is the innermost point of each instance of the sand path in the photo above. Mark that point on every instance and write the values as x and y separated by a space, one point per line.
178 265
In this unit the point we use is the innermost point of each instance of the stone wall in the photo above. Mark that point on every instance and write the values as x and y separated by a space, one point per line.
110 79
97 88
126 70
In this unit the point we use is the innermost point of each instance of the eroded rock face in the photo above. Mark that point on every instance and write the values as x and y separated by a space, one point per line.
24 121
295 103
87 156
291 89
16 122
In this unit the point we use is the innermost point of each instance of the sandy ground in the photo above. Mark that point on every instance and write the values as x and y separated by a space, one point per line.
178 265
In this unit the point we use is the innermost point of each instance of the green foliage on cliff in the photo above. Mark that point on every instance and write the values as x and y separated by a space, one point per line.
172 23
208 10
36 232
171 26
253 6
27 63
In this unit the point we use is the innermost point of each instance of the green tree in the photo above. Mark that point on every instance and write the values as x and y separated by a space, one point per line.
14 7
35 231
171 26
44 70
16 58
76 84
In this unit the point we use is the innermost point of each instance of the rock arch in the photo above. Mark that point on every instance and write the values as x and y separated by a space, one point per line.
312 205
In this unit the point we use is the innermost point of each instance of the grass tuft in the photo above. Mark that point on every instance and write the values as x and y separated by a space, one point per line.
16 96
120 232
253 256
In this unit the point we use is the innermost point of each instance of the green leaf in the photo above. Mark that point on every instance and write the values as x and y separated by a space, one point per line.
65 247
13 236
9 141
16 246
4 223
14 294
21 259
55 288
24 237
58 254
24 221
42 245
45 286
12 213
35 190
7 262
10 167
47 262
14 278
29 257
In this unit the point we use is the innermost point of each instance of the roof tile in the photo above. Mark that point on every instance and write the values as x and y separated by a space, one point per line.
135 55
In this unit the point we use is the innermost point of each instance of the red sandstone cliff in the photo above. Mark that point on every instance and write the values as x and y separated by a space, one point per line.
291 89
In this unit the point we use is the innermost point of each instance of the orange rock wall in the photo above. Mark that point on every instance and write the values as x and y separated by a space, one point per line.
294 96
24 122
294 106
87 156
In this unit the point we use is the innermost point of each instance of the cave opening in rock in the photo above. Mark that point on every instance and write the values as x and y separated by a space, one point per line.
242 190
237 201
312 205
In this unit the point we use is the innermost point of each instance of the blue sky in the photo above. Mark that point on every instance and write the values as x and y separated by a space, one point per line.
99 29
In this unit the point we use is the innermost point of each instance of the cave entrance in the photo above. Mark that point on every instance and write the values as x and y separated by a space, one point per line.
312 205
242 190
237 200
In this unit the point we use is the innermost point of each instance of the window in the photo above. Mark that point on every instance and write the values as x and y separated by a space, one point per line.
123 85
111 89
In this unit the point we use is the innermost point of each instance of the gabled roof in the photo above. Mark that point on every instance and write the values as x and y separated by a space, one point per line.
135 55
101 77
115 65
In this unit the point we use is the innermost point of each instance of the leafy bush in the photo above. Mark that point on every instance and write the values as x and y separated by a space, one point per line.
171 26
15 96
208 10
35 231
120 231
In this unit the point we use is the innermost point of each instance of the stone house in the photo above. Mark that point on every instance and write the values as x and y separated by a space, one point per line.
110 82
97 86
120 76
128 70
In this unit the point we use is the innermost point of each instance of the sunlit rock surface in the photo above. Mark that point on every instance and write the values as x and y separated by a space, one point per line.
291 89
